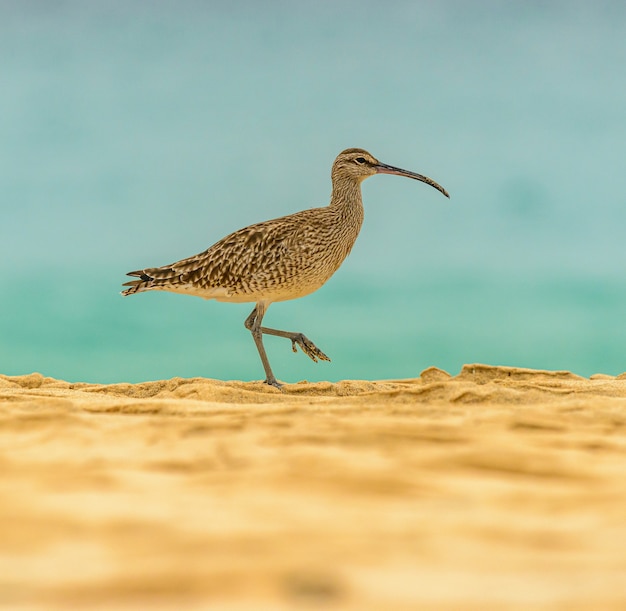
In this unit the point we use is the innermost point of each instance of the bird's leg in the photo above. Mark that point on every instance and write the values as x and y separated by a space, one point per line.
253 324
306 345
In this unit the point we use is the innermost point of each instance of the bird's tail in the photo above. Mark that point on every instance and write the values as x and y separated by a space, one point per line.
149 280
137 286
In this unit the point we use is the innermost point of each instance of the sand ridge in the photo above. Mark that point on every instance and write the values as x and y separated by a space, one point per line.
499 487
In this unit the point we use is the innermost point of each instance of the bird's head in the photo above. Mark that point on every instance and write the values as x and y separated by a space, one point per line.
358 164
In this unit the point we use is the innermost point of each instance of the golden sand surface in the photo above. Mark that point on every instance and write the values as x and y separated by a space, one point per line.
498 488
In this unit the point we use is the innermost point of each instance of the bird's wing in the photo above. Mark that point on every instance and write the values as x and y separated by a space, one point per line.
250 255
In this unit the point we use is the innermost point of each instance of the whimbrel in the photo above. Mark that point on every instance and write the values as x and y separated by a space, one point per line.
281 259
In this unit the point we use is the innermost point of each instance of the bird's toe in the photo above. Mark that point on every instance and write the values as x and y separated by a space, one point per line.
308 347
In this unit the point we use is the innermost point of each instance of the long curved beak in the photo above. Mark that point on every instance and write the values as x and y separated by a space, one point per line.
383 168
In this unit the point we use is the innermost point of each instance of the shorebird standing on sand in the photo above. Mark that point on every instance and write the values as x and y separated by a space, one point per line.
281 259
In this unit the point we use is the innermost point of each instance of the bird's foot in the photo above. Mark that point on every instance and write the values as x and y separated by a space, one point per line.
308 347
274 382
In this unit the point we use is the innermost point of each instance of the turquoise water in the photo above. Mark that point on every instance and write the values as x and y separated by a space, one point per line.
134 134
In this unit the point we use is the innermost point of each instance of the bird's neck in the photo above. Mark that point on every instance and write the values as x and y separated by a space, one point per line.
346 210
346 199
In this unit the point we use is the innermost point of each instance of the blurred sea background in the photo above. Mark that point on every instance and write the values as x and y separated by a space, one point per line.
136 133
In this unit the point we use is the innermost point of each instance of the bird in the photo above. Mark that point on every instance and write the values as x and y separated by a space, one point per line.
280 259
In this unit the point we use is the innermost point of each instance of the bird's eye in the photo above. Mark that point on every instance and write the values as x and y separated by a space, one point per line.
361 160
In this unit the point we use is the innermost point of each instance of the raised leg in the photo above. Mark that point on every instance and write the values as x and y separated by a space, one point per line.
253 323
306 345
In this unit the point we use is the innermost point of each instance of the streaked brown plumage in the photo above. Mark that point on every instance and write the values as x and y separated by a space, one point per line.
280 259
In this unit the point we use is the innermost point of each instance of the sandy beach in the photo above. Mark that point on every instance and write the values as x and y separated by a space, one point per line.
498 488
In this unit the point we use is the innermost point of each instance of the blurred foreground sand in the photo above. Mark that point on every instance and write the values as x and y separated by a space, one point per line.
499 488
